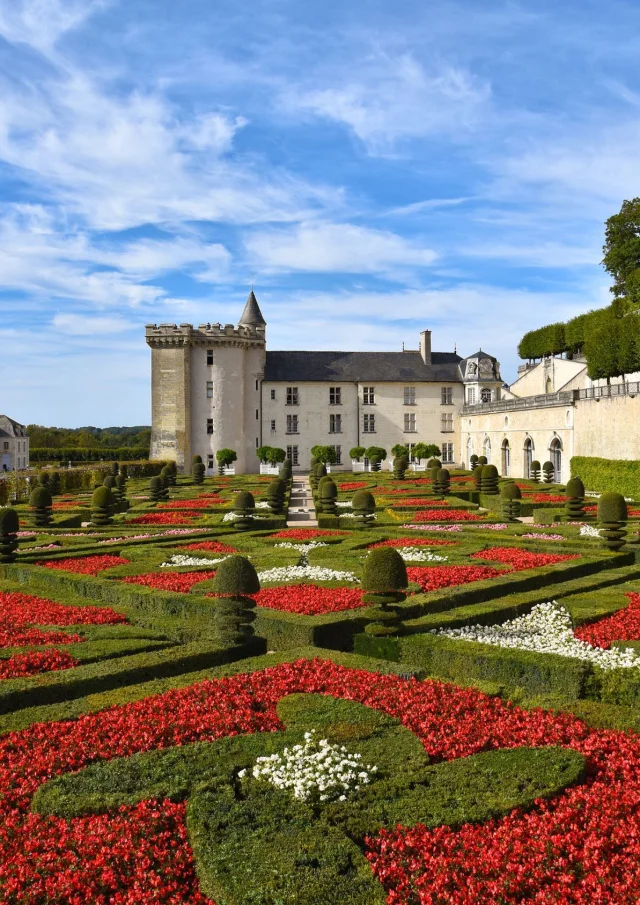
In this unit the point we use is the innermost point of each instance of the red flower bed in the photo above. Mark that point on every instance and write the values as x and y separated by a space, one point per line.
66 504
165 518
432 578
305 533
194 504
212 546
621 626
170 581
84 565
13 636
446 515
34 662
418 501
353 485
579 848
309 599
414 542
545 497
522 559
24 609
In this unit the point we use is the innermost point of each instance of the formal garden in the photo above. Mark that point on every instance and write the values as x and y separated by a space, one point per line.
430 695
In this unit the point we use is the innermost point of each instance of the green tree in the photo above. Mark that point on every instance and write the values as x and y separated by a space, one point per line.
622 252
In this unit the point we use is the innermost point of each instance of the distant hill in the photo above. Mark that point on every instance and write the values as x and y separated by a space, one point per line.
41 437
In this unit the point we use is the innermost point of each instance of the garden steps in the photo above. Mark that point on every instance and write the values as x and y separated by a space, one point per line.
301 508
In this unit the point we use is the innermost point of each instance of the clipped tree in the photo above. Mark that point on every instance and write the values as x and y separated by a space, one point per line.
400 465
489 480
124 471
235 582
54 483
244 507
549 472
40 504
328 497
384 581
102 505
400 449
510 497
172 474
422 451
157 490
115 468
286 471
165 475
534 471
275 495
356 453
120 493
574 506
612 515
622 252
276 455
434 463
262 452
482 460
442 484
473 461
9 527
324 454
376 455
363 505
44 478
198 470
477 476
224 458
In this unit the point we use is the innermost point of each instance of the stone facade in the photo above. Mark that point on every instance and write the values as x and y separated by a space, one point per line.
14 445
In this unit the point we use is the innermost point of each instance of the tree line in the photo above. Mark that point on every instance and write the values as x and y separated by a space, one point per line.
88 438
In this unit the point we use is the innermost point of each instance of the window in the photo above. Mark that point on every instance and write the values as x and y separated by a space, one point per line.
273 425
335 424
471 395
256 384
257 415
409 395
209 389
292 424
210 462
446 396
409 424
447 453
6 444
446 425
209 425
257 442
292 454
485 395
338 451
335 395
292 396
273 394
369 424
209 356
368 396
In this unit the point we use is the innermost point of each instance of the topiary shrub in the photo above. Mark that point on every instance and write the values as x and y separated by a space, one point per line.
102 505
234 610
165 478
312 464
41 504
275 495
400 465
197 460
172 474
612 515
356 453
9 527
55 483
443 481
124 472
156 489
43 478
328 497
384 581
549 472
120 493
574 507
198 471
433 477
286 471
115 468
489 480
224 458
477 476
534 471
473 461
376 455
510 496
363 505
482 460
433 463
109 482
244 507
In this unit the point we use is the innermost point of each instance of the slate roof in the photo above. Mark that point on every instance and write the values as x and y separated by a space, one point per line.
11 428
481 354
362 367
252 315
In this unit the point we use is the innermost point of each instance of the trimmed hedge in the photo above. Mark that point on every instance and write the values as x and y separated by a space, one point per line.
601 475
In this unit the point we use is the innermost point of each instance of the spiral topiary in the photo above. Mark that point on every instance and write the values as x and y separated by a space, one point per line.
9 527
482 460
400 465
473 461
102 504
384 581
328 497
489 480
41 504
433 477
124 472
477 476
286 471
612 515
109 481
363 506
55 483
172 474
443 481
43 478
165 474
156 489
234 610
120 493
510 496
534 471
115 468
549 472
574 506
196 460
198 470
275 495
244 507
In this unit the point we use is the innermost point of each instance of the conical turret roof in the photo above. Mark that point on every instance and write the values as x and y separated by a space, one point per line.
252 316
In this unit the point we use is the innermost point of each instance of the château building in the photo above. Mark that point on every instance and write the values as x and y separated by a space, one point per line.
218 386
14 445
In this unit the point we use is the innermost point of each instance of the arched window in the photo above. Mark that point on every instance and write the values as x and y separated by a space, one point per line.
549 386
528 457
506 458
469 451
555 456
486 449
485 394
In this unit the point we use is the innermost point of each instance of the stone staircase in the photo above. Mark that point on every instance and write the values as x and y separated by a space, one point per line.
301 510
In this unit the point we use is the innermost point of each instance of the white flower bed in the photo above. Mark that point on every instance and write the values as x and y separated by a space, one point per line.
452 528
231 516
547 629
300 573
420 554
367 518
303 548
316 769
541 536
181 559
118 540
589 531
343 505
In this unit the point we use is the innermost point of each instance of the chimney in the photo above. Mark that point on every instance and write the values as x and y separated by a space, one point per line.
425 346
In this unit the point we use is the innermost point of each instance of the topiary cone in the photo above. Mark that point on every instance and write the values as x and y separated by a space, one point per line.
234 611
489 480
328 497
384 581
198 472
102 504
549 472
477 476
400 465
363 506
244 507
443 481
275 495
41 504
156 489
9 527
612 515
510 496
534 471
574 506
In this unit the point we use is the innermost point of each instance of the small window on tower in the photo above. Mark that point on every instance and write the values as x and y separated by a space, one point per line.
209 356
273 394
209 389
210 461
209 425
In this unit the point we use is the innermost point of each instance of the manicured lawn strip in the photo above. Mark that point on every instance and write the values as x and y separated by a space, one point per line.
95 651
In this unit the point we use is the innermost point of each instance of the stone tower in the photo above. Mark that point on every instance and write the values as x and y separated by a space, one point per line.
206 389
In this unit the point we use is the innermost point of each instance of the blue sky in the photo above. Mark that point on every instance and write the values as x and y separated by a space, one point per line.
380 167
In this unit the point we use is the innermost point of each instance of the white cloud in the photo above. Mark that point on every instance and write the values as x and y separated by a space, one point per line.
340 247
40 23
394 98
79 325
